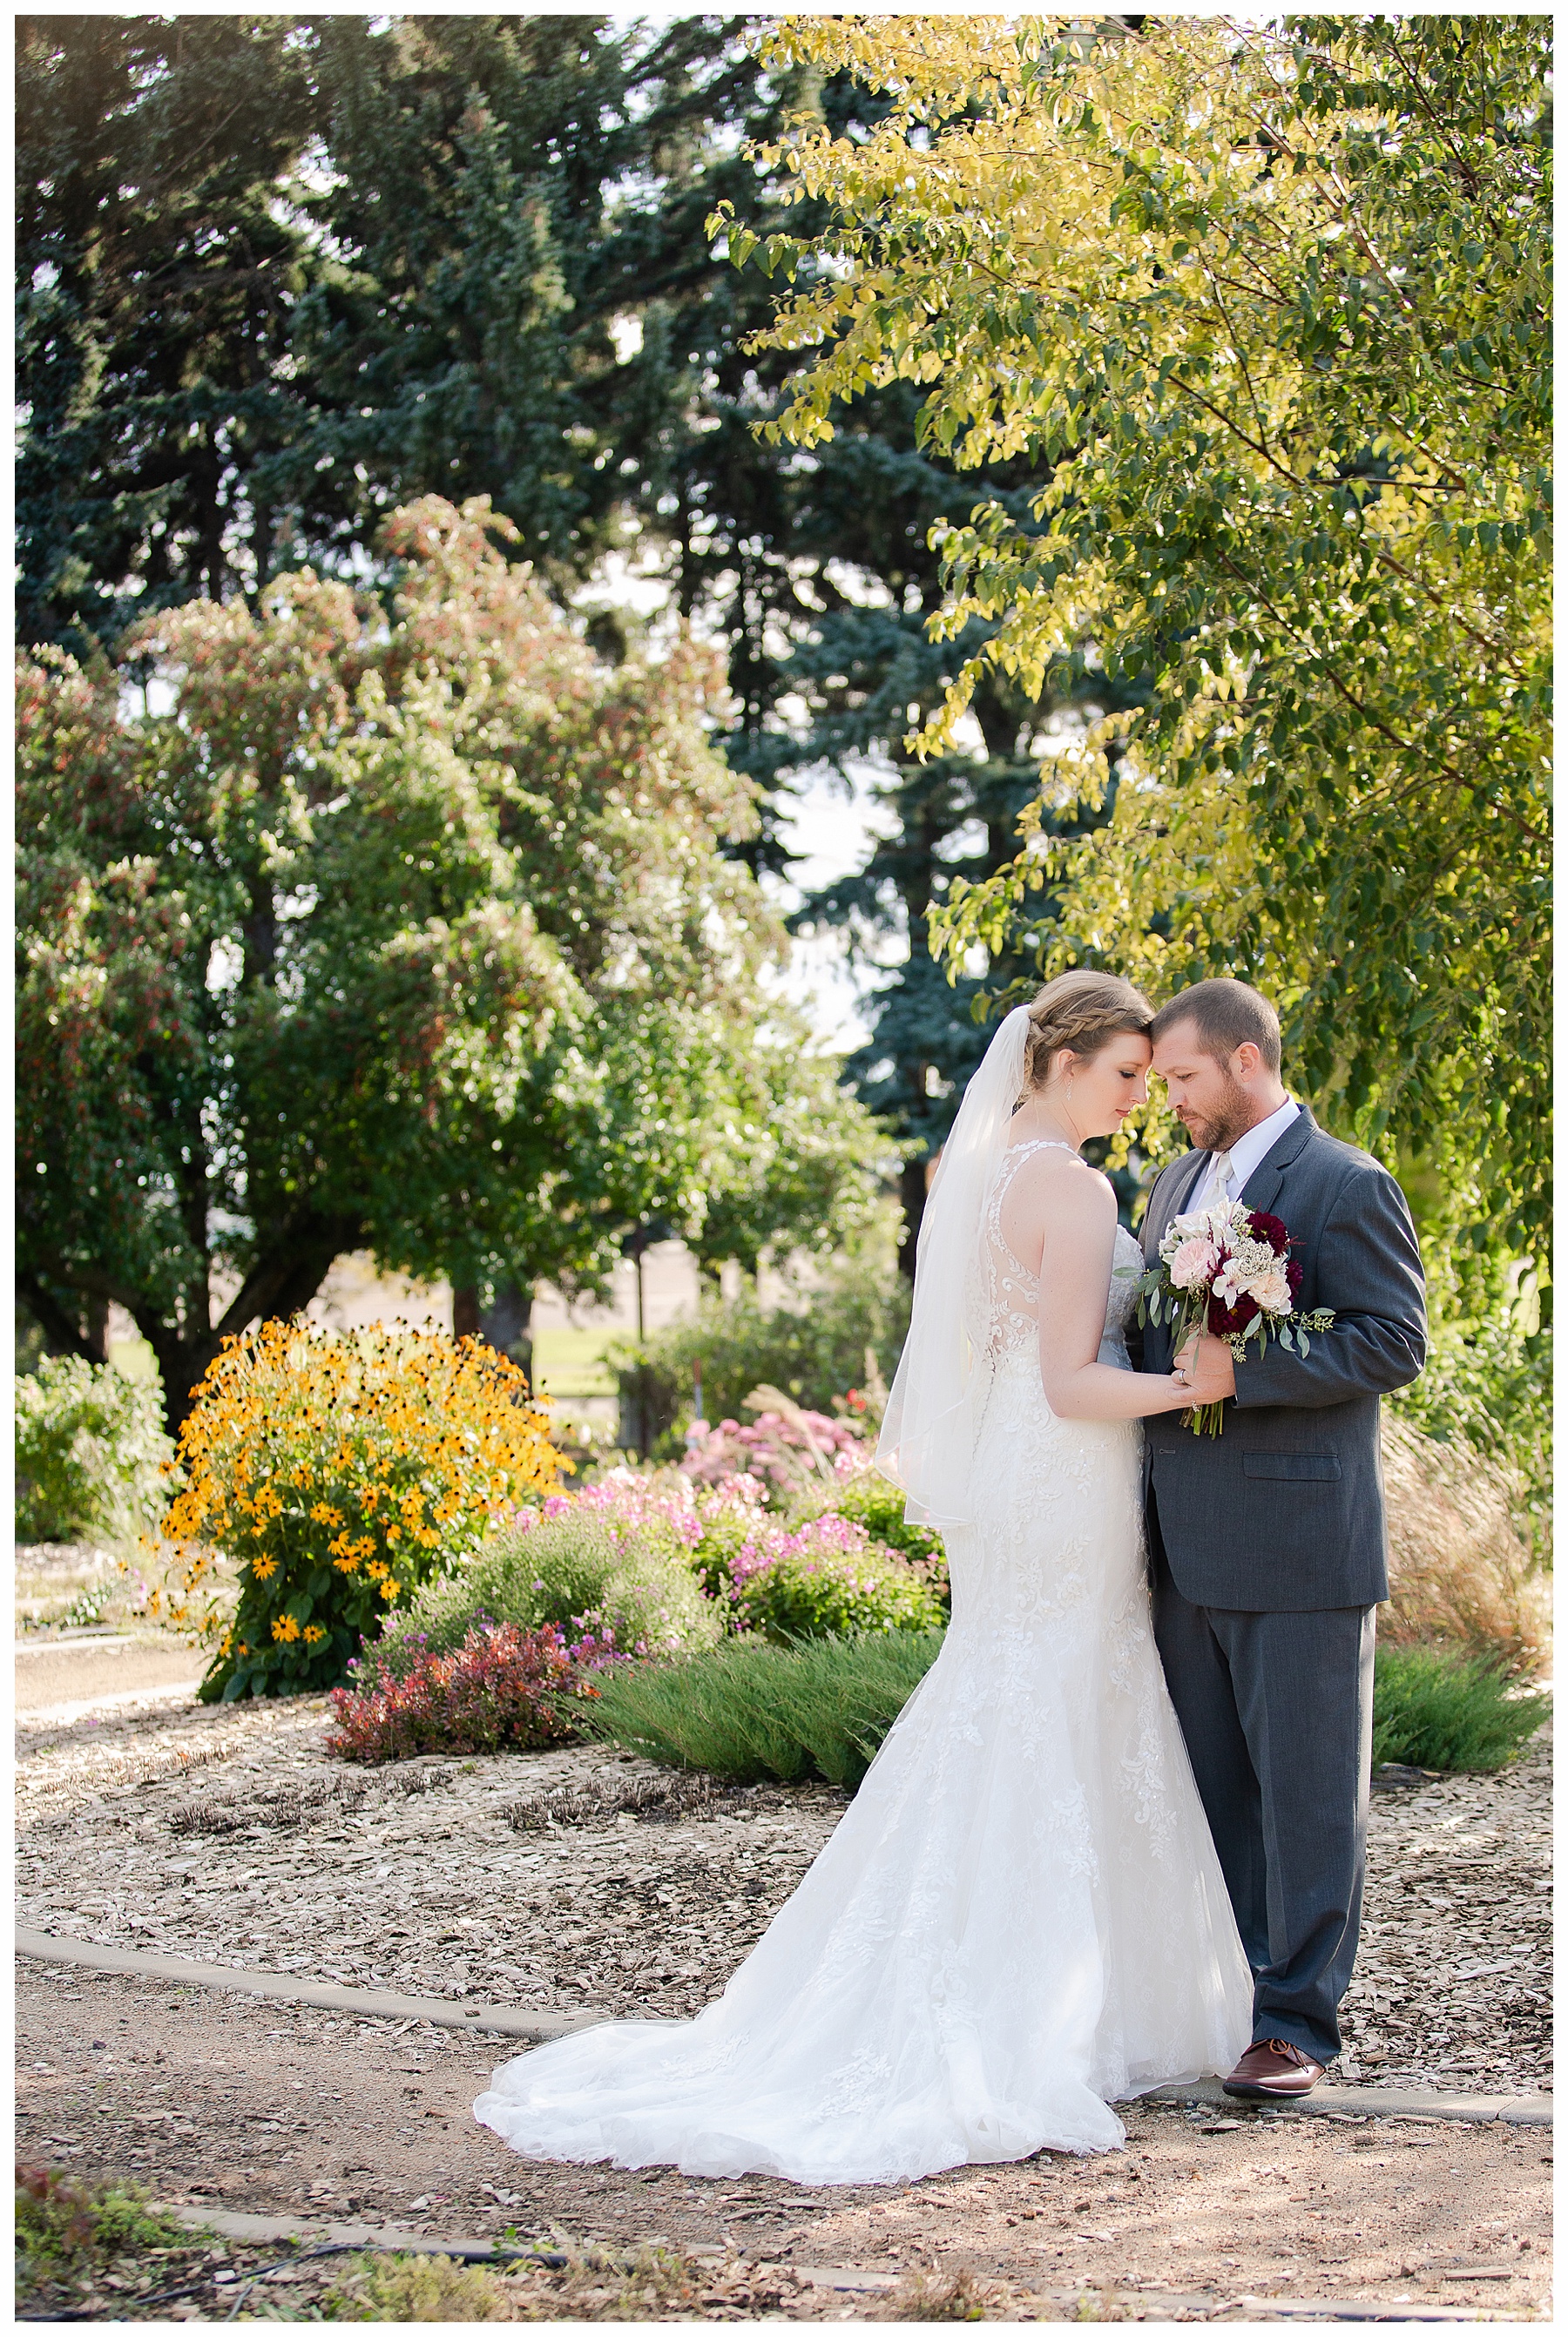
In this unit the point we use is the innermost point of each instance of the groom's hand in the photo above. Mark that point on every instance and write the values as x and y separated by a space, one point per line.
1212 1369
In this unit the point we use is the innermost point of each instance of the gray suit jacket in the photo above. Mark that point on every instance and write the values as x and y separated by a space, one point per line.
1283 1513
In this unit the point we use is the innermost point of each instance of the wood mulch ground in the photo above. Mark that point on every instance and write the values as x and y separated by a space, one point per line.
576 1878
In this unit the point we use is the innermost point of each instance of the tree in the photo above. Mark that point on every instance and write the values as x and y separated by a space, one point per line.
158 276
1268 306
283 274
867 669
534 314
414 934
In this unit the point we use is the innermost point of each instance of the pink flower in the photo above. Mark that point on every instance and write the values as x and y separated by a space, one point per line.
1271 1290
1193 1263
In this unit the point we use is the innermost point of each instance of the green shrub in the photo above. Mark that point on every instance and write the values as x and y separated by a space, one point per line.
573 1568
1438 1710
814 1355
67 2229
751 1711
90 1453
725 1536
418 2288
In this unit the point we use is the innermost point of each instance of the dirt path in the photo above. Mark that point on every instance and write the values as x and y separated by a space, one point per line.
56 1672
226 2102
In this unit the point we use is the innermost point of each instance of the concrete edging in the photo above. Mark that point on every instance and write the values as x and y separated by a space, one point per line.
540 2028
1375 2101
229 2224
377 2004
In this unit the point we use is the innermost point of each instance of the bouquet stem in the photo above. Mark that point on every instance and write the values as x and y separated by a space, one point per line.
1202 1418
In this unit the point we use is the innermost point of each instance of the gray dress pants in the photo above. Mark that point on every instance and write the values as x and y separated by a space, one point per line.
1276 1712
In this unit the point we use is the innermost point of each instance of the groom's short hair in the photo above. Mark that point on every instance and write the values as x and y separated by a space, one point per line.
1225 1016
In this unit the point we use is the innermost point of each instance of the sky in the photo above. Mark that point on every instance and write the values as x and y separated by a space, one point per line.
833 827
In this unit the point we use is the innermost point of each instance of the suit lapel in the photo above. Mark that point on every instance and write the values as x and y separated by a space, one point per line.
1260 1191
1158 1217
1262 1187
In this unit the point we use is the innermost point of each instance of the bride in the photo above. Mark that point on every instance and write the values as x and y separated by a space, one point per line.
1021 1918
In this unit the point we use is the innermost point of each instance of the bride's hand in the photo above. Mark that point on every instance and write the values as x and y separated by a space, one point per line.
1206 1370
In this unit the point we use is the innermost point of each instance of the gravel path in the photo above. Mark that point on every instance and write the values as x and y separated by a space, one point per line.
1453 1984
226 1834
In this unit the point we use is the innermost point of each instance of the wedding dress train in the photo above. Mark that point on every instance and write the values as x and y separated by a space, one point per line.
1019 1920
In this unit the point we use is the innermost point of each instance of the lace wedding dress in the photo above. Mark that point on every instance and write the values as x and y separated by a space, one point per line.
1019 1920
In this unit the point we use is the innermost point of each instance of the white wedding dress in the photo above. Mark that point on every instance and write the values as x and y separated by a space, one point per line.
1020 1918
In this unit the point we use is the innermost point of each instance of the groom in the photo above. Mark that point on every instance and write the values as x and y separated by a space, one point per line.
1267 1545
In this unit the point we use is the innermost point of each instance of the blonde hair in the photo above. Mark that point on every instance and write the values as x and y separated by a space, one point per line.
1083 1011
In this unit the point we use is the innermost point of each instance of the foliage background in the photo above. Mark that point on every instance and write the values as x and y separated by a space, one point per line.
1254 417
1270 306
238 356
90 1454
410 933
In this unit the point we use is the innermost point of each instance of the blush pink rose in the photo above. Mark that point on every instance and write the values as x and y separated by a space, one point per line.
1271 1291
1193 1263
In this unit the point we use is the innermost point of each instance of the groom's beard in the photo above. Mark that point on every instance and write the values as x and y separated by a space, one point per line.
1225 1122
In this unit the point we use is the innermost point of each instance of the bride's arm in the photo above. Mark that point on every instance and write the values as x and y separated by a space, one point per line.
1070 1213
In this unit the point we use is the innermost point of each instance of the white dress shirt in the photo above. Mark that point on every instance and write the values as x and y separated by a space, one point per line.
1228 1171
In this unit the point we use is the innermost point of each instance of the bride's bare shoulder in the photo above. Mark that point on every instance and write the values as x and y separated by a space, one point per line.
1053 1177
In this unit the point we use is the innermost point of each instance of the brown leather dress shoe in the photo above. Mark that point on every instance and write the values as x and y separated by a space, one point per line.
1272 2071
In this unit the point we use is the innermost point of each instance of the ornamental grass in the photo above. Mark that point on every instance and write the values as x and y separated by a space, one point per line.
339 1471
1460 1568
751 1711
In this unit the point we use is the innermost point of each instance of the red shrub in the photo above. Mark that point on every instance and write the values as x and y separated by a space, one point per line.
502 1690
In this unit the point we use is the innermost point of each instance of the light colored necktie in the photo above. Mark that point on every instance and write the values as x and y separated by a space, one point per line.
1220 1181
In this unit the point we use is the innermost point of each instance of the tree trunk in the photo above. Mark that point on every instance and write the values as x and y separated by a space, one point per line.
506 1324
277 1288
465 1312
59 1315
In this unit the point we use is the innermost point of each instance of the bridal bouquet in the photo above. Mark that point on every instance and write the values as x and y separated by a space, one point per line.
1227 1270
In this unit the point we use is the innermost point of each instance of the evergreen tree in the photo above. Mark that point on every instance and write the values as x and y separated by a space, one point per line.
157 278
868 673
280 275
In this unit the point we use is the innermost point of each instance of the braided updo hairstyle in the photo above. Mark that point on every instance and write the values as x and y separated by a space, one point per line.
1083 1011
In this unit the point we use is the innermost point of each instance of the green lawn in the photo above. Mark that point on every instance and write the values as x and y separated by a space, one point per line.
133 1358
571 1363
